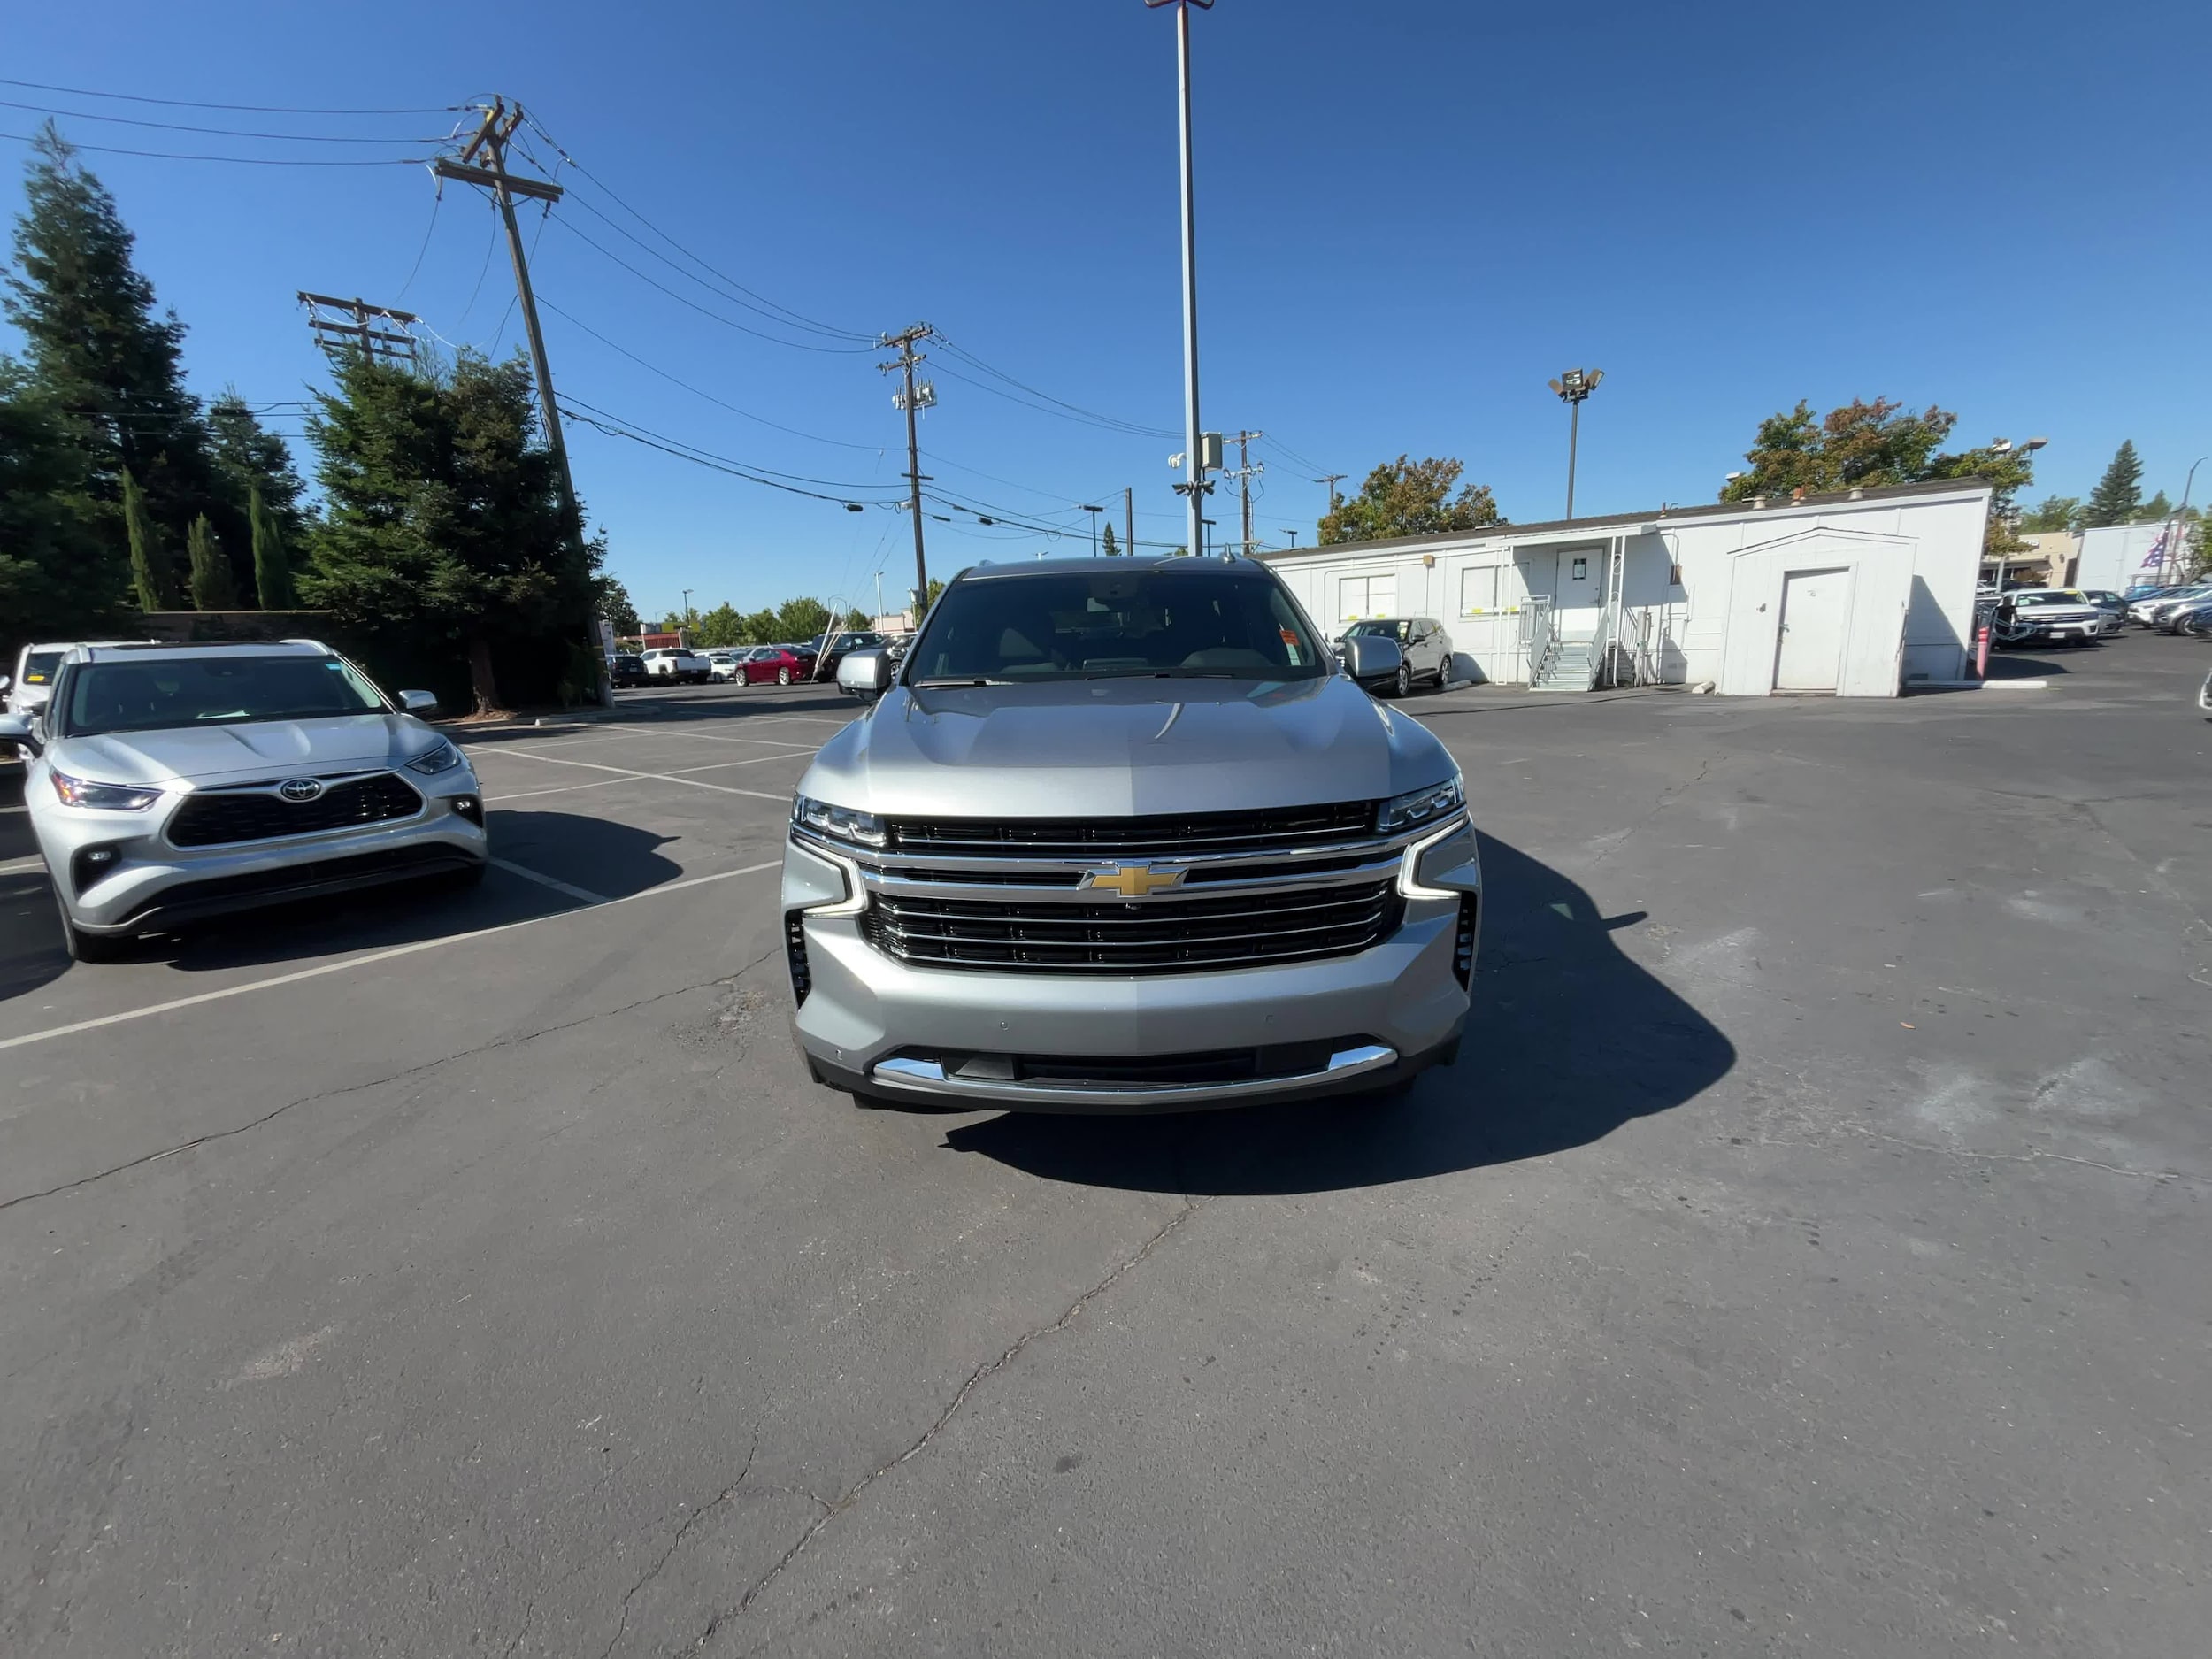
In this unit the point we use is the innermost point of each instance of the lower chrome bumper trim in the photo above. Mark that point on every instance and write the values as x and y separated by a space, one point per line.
928 1077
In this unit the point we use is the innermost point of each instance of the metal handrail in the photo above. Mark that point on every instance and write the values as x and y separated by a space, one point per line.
1539 637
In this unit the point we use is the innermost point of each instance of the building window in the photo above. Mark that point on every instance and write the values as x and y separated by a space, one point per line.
1478 590
1582 570
1359 597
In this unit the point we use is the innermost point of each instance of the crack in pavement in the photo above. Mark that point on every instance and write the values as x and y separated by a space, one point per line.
983 1373
676 1543
405 1072
1667 797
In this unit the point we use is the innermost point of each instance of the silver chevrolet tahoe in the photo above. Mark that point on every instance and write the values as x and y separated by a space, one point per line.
1119 834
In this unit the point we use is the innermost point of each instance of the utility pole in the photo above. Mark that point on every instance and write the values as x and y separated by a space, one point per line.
1246 468
499 125
1129 521
1330 482
911 398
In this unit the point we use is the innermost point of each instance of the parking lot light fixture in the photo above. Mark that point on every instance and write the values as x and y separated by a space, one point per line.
1194 486
1573 387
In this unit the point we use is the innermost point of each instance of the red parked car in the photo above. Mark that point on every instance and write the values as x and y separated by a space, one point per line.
778 663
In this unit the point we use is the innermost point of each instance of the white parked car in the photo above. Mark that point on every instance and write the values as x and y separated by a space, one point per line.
725 664
677 667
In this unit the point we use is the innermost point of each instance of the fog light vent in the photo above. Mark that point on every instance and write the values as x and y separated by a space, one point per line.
794 948
470 807
93 864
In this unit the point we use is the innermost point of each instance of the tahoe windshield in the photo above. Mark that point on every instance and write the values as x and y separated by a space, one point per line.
1179 622
156 696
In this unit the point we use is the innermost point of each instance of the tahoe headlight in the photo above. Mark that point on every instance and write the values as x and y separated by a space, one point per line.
1421 806
839 823
115 797
431 761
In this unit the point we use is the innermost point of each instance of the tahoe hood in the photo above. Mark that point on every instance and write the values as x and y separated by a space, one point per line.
1123 747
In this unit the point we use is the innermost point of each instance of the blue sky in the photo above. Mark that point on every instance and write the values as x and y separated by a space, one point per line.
1412 215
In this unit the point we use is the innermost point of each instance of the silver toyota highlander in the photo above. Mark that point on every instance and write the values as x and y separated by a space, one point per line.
169 783
1119 834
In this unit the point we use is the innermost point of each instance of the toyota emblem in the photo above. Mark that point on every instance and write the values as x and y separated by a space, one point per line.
300 788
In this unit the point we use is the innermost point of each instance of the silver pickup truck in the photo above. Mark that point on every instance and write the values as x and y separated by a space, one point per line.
1119 834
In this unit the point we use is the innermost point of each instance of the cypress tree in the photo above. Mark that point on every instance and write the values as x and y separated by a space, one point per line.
272 571
94 343
149 563
62 575
210 570
2119 491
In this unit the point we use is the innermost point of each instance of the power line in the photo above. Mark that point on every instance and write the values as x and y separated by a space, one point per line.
241 161
1070 410
873 448
632 428
1291 454
795 317
437 201
214 132
796 345
243 109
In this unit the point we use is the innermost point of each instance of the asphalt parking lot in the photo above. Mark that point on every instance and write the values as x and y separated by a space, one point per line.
1807 1254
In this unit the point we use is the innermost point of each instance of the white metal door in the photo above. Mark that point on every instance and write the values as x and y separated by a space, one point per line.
1577 592
1815 607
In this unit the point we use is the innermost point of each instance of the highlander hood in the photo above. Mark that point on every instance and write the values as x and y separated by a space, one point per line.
1123 747
237 754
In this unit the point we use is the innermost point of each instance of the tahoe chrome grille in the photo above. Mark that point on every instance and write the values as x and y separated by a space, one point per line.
1155 935
221 816
1165 835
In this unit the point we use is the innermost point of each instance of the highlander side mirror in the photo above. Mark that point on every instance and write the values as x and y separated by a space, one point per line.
864 674
20 728
418 703
7 683
1370 656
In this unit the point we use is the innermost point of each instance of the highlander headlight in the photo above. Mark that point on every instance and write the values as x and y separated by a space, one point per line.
839 823
1420 806
431 761
116 797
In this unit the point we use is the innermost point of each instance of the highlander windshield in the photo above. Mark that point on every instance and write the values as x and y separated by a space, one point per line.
211 691
1181 621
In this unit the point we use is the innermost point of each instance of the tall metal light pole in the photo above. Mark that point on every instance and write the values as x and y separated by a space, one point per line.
1194 485
2010 519
1572 386
1094 511
2175 525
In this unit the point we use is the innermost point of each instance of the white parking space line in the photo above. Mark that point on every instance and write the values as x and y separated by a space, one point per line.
716 737
563 788
18 866
544 880
372 958
724 765
663 777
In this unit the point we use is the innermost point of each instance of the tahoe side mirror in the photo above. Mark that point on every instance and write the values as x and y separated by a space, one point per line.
7 684
20 728
865 674
1370 656
419 702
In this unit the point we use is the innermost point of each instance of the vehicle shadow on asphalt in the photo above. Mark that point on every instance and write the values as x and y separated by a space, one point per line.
1568 1039
605 859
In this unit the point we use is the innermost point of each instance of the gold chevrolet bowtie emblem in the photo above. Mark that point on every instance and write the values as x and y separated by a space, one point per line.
1134 881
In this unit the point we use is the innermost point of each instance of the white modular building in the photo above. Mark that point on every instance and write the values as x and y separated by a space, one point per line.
2116 557
1857 594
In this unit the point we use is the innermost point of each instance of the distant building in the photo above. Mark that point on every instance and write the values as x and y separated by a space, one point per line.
2047 562
2120 556
1854 594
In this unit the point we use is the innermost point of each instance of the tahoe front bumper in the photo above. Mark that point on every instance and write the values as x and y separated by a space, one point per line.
1158 1041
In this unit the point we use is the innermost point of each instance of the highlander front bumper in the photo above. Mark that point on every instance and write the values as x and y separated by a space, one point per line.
873 1024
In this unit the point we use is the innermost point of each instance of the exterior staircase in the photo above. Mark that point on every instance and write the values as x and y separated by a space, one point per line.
1566 667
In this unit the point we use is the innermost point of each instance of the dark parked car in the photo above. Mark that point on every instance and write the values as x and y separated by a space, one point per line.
843 645
629 671
1425 647
780 664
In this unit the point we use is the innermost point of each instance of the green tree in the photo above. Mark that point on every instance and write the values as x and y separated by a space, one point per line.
801 619
95 346
271 565
2053 513
1868 445
758 628
60 573
1408 498
614 604
2153 510
152 575
1108 547
443 520
719 627
2119 491
209 566
249 460
929 597
857 619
